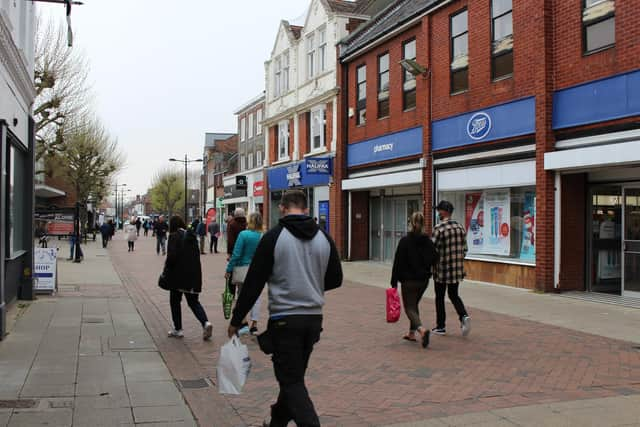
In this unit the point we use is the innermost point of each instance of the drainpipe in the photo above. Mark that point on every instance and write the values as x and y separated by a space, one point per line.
557 231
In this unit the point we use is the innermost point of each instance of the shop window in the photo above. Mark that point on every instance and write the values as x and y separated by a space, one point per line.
383 86
283 140
409 79
17 216
500 223
259 122
598 25
361 91
459 52
502 39
318 128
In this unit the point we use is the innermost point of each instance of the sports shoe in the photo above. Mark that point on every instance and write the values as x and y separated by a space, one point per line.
439 331
207 331
465 325
243 331
176 333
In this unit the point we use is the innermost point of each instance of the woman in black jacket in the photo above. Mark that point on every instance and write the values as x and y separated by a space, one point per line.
183 275
412 268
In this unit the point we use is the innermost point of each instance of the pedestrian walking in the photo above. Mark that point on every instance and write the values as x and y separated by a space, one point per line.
236 225
412 265
132 235
113 229
145 227
300 262
201 231
182 274
138 226
450 241
238 265
160 230
105 232
214 232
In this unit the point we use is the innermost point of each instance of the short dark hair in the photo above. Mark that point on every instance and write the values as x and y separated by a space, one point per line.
176 223
294 199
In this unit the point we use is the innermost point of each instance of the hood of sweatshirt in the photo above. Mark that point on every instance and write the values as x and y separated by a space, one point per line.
301 226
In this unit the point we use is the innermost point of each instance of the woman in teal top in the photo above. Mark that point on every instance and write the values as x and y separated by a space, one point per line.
243 252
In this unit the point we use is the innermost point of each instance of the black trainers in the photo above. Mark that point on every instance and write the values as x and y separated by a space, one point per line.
439 331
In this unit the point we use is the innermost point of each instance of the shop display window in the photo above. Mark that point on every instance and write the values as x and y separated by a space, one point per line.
500 223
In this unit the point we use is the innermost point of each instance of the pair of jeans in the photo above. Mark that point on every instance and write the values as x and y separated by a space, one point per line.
213 244
412 292
293 339
193 300
202 244
441 290
161 243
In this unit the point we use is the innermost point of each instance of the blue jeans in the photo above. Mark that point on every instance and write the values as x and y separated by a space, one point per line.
161 242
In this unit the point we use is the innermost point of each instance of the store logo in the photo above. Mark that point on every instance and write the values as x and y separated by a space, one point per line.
382 147
293 175
318 166
479 126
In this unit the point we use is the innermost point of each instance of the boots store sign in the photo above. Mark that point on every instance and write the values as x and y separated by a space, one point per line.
398 145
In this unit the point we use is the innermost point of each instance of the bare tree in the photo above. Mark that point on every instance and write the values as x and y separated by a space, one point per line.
167 191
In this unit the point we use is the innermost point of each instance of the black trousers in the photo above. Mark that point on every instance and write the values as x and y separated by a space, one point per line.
441 290
293 340
213 244
131 245
105 240
193 300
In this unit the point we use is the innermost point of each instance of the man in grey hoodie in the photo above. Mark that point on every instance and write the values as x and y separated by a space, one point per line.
300 262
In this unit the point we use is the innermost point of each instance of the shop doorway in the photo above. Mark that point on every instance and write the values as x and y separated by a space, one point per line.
631 243
389 219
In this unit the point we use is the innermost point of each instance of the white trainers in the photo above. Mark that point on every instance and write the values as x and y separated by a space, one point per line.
207 331
176 333
243 331
466 325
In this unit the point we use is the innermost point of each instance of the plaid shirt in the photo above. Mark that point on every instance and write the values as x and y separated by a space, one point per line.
450 240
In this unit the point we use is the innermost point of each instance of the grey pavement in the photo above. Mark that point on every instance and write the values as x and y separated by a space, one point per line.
83 357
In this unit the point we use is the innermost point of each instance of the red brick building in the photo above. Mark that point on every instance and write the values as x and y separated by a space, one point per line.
519 114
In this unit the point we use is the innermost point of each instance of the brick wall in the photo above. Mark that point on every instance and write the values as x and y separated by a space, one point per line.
573 234
360 226
303 128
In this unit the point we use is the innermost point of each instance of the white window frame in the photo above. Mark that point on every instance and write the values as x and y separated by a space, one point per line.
311 56
277 67
250 161
317 114
285 72
259 158
322 50
283 140
259 122
243 128
250 128
243 162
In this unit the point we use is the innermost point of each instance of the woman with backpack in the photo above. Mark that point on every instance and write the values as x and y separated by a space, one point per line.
182 275
412 265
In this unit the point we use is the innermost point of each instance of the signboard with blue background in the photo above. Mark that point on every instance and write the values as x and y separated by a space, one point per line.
392 146
502 121
310 172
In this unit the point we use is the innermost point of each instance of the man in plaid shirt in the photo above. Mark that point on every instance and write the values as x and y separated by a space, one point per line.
450 240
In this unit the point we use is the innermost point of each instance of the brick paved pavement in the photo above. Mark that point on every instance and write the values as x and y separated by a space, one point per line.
362 373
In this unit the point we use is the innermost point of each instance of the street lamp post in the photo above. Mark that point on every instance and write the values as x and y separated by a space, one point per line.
122 191
186 162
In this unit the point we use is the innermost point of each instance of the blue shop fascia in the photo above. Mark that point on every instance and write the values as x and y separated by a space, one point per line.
313 176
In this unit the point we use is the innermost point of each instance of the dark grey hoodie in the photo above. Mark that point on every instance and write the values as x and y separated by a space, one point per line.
299 261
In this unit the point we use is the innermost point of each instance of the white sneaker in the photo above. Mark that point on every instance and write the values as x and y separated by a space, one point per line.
176 333
207 331
466 325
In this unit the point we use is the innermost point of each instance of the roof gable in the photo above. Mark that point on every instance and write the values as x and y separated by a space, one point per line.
286 34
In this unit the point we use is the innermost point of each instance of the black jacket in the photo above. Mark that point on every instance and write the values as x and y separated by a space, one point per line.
182 267
414 258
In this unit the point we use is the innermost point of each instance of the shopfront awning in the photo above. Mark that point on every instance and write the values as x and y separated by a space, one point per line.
621 154
47 192
235 201
411 177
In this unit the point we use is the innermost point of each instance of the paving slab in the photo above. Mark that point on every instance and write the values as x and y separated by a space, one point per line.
159 393
47 390
57 418
4 418
144 366
131 343
161 414
109 400
87 417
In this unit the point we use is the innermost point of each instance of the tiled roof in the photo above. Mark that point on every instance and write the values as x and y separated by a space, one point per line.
371 7
396 14
342 6
296 30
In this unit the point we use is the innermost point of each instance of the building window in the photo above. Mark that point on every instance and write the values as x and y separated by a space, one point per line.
243 128
408 79
259 158
459 52
285 72
250 161
598 25
318 128
259 122
311 57
502 38
250 135
277 77
283 140
243 162
17 197
322 50
383 86
361 91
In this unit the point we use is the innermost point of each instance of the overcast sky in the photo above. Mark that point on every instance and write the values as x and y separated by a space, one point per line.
164 72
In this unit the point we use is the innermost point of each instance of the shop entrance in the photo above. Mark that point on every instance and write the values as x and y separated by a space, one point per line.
389 223
615 240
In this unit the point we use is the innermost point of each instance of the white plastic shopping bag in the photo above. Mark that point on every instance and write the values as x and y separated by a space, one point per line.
234 366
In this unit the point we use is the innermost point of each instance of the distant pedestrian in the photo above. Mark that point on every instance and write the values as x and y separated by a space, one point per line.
300 262
132 235
138 226
183 275
105 232
145 227
450 240
243 252
412 265
201 232
236 225
214 233
113 229
160 230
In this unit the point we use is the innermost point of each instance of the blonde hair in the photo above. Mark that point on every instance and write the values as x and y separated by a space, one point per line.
255 222
417 222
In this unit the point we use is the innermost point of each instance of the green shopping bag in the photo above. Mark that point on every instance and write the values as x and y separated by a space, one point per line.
227 299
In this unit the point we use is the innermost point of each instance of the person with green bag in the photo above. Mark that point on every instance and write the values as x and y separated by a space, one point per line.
227 299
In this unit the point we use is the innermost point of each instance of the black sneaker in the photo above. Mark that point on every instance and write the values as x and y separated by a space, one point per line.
439 331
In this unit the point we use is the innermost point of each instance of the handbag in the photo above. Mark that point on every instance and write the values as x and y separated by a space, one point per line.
393 305
227 300
163 283
239 274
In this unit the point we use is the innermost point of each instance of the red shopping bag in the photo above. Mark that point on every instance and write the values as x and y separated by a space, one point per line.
393 305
